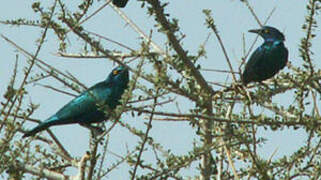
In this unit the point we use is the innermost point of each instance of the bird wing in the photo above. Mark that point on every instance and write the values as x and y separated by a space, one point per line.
85 105
265 62
82 109
283 53
253 65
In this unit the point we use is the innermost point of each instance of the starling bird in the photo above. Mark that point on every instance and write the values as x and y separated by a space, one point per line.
120 3
268 59
90 106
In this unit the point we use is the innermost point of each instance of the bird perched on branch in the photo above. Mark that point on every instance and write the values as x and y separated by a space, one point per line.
268 59
120 3
91 106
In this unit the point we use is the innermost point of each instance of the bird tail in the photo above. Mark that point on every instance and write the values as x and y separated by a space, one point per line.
42 126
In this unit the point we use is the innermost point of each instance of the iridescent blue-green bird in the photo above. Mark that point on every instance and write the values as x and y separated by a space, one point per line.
268 59
120 3
91 106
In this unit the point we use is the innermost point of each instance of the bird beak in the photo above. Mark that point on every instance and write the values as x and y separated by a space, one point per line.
257 31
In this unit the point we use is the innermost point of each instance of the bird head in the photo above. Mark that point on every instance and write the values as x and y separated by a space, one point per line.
119 76
268 32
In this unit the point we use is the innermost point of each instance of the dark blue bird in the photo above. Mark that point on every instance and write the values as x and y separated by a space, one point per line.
268 59
91 106
120 3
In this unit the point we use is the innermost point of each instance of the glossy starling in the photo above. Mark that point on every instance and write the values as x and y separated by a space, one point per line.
90 106
268 59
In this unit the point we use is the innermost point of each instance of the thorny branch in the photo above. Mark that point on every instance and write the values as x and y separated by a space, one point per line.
208 115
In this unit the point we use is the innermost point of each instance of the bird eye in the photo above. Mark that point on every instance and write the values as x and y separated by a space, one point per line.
266 31
115 72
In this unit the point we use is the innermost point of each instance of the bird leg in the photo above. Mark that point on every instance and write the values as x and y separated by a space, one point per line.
96 130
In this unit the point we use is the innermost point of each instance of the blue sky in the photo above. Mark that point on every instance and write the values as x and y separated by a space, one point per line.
233 20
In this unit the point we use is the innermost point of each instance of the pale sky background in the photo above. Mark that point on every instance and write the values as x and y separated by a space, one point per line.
232 18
